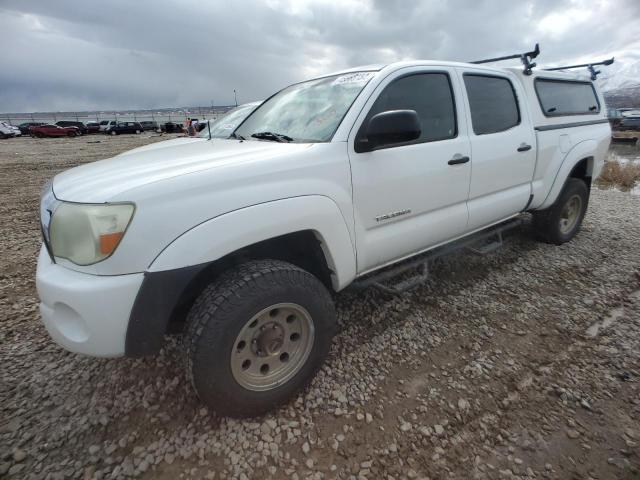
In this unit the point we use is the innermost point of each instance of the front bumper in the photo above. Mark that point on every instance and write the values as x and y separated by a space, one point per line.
86 313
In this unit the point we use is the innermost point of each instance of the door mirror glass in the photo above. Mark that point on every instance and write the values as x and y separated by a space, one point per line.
388 128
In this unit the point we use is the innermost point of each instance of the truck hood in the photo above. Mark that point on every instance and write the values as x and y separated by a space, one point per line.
101 181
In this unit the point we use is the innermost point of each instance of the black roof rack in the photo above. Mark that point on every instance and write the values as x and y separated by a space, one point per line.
593 71
525 58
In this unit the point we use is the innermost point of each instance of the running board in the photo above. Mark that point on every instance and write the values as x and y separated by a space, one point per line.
487 245
490 240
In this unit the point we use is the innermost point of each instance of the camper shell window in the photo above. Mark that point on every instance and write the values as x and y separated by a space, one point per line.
566 97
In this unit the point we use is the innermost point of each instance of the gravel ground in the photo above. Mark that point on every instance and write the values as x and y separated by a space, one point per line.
520 364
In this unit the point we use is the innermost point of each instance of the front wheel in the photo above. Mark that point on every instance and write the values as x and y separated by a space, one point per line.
257 335
113 132
561 222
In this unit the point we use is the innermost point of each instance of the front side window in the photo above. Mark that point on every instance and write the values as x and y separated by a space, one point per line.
493 103
563 97
307 112
430 95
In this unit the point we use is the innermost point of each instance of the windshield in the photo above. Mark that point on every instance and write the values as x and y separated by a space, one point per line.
225 125
306 112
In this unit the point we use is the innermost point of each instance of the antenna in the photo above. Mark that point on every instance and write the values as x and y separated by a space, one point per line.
594 73
525 58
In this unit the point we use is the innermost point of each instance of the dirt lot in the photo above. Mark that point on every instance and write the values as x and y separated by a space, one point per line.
520 364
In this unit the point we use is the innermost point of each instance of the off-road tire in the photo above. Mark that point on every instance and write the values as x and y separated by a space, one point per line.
547 222
224 308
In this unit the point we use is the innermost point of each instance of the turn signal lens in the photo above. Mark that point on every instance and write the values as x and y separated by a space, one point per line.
109 242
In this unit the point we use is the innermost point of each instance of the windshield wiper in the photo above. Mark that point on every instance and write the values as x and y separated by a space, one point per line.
236 136
274 137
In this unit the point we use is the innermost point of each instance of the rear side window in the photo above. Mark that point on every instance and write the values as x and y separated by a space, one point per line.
493 103
562 97
430 95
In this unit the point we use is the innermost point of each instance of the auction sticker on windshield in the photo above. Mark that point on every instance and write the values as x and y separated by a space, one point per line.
358 78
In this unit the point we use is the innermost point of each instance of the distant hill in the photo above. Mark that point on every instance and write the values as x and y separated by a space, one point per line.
623 97
621 85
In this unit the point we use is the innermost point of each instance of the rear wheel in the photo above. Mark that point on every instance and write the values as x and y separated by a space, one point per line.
257 335
561 222
71 134
137 132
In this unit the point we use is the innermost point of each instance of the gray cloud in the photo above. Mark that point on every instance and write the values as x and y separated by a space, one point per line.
122 54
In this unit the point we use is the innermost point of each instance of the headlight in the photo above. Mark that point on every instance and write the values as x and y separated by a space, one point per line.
88 233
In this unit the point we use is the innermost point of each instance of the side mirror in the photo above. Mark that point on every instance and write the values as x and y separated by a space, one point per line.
387 128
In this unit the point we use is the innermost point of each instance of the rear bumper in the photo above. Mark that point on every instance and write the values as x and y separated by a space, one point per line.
85 313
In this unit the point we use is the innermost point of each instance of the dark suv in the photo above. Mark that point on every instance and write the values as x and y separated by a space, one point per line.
124 127
82 128
629 123
172 127
149 125
93 127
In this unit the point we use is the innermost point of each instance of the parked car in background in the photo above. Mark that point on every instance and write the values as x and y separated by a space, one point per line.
14 130
629 123
149 126
124 127
24 127
6 131
79 125
93 127
105 124
224 126
172 127
53 131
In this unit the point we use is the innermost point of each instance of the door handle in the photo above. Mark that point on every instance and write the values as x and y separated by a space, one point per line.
458 160
524 147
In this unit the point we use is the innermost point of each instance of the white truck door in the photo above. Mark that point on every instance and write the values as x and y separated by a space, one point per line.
413 195
502 143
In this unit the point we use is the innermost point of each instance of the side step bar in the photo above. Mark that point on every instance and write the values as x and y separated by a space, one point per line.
480 243
488 245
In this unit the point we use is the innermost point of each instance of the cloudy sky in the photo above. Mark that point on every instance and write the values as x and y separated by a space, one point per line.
78 55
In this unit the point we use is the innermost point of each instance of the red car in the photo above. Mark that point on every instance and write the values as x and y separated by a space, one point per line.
53 131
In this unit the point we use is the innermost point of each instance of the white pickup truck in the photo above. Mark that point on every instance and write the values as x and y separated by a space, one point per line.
242 242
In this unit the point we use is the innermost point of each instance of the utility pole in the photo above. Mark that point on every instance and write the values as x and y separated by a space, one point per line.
235 96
